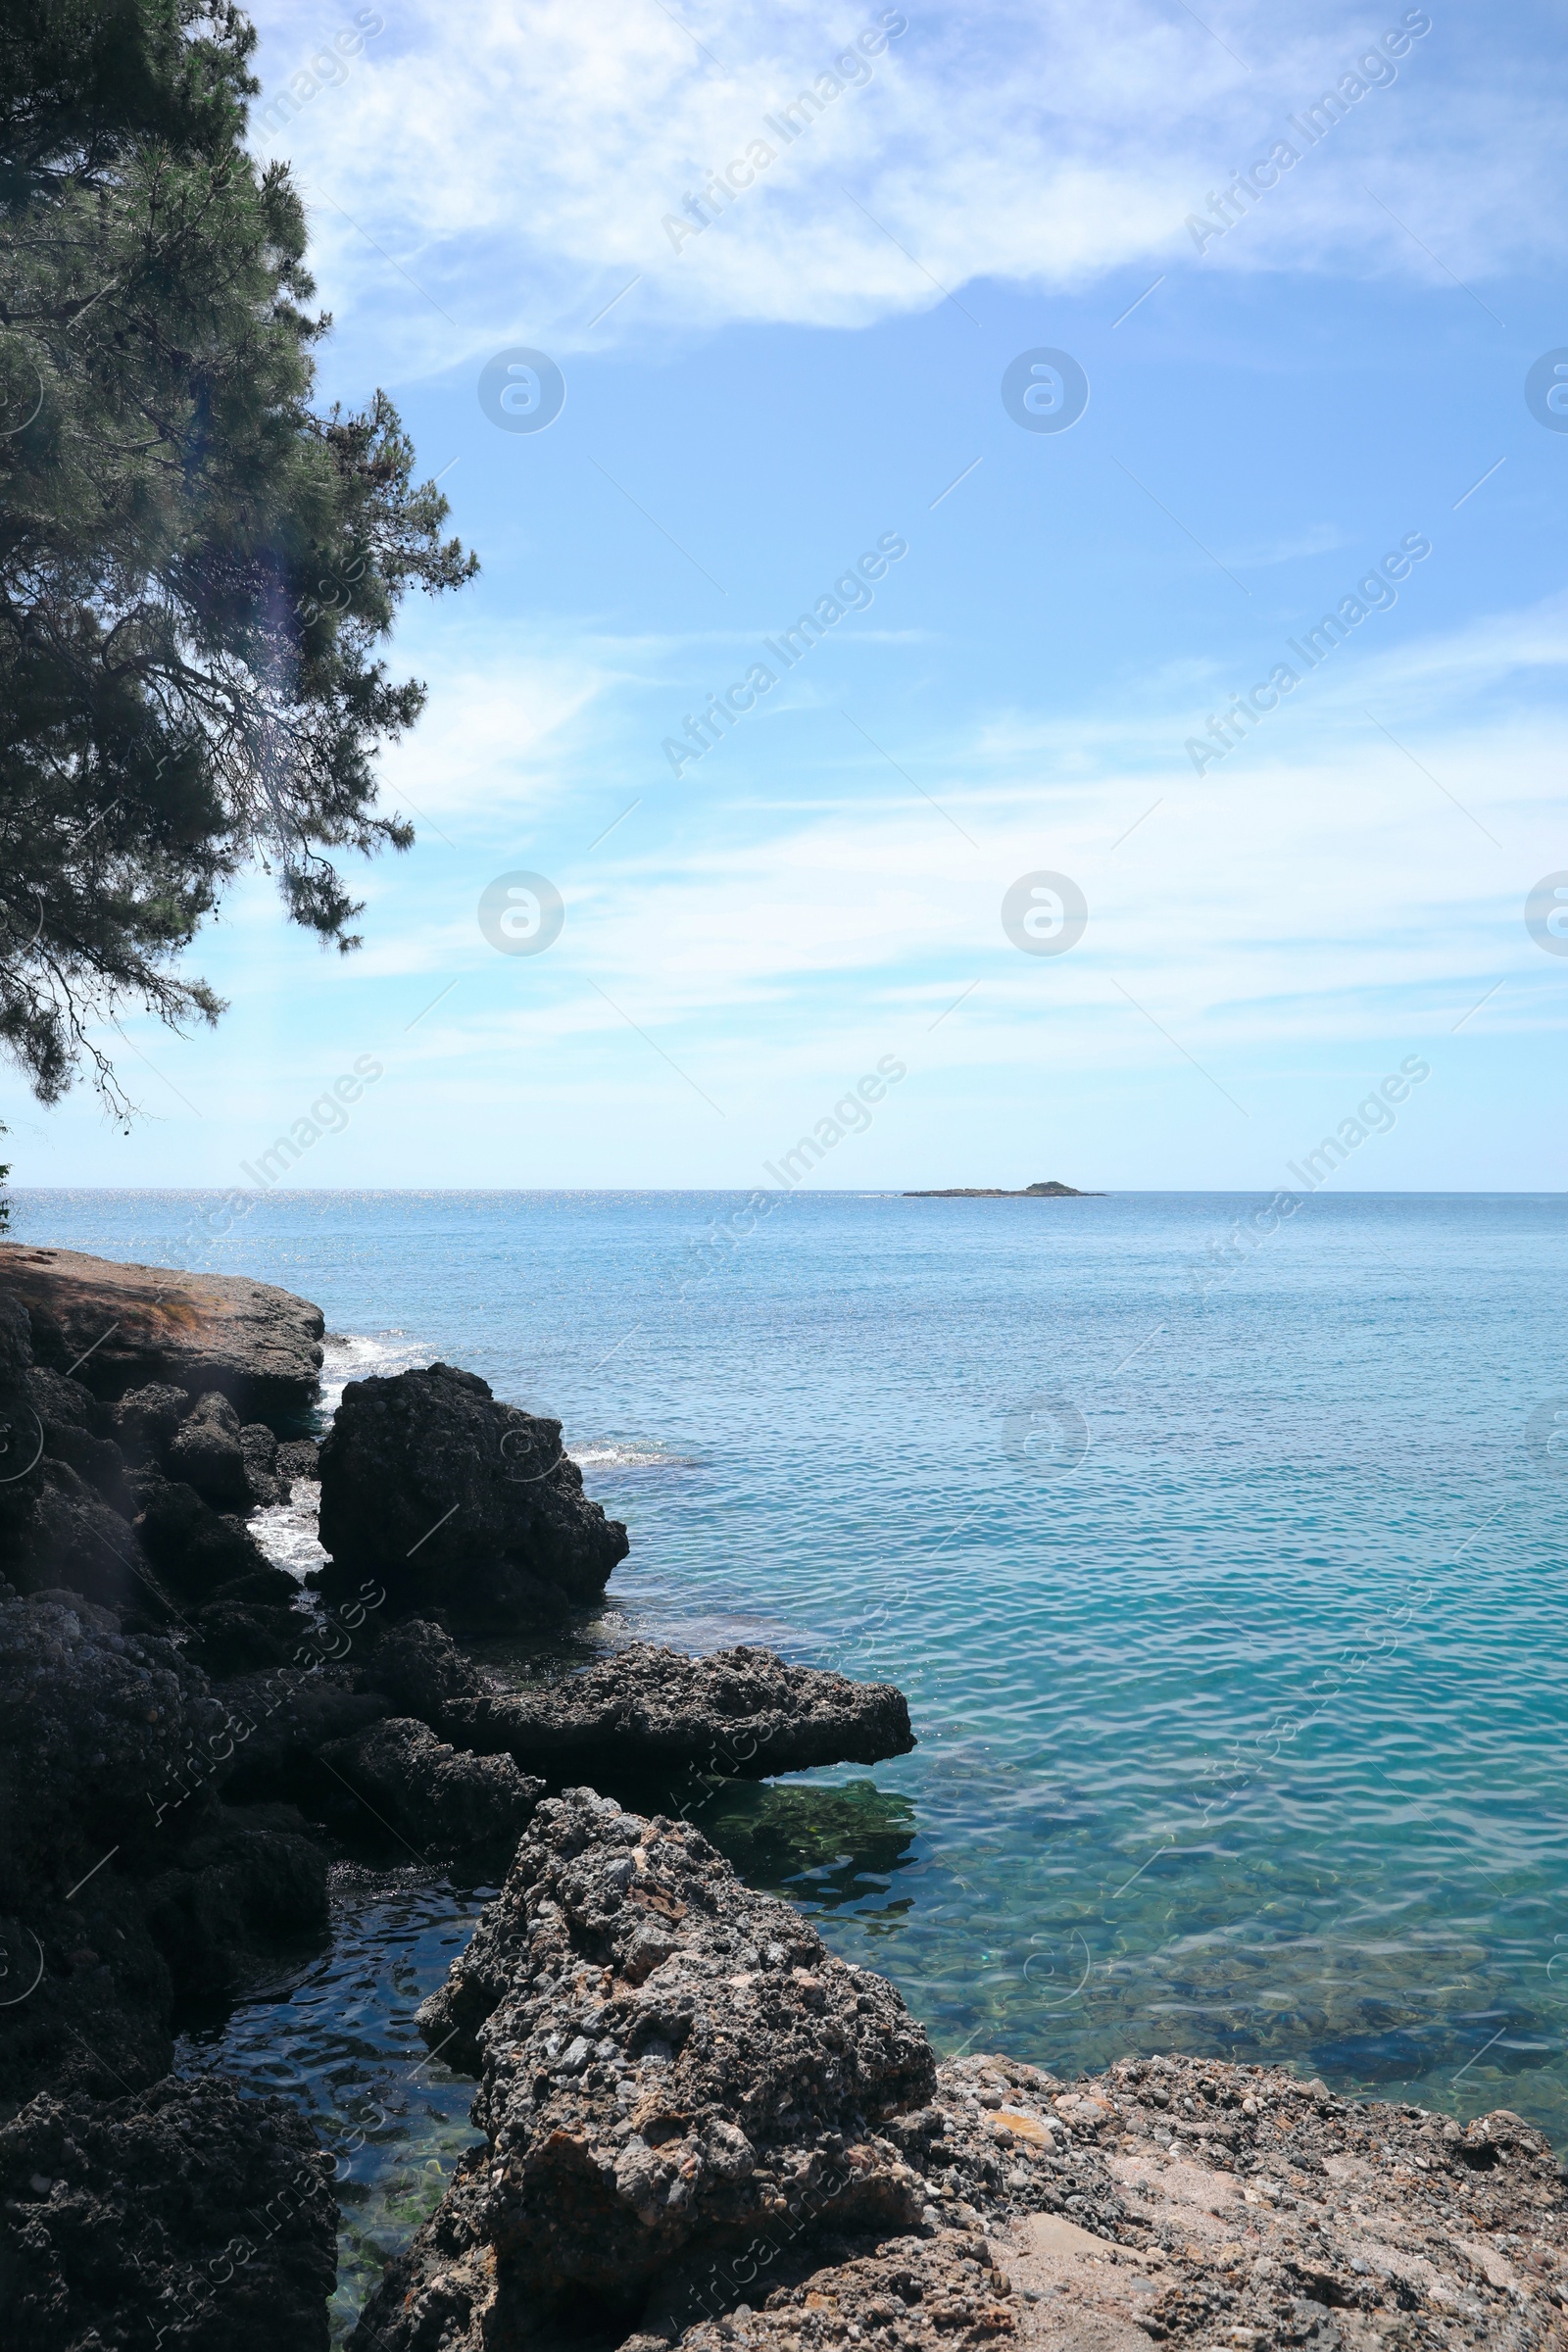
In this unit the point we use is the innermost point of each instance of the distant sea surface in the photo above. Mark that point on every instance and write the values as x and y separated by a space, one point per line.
1232 1605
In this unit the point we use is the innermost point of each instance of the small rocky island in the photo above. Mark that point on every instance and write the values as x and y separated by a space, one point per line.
695 2125
1053 1191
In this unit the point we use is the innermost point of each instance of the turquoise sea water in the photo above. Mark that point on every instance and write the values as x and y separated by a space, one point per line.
1234 1621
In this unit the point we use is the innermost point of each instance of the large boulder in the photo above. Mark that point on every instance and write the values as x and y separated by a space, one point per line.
645 1712
466 1509
668 2061
184 2217
119 1325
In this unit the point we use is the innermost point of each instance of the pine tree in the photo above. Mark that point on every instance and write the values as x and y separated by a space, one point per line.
197 566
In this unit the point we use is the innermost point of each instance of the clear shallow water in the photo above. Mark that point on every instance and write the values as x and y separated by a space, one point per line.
1240 1734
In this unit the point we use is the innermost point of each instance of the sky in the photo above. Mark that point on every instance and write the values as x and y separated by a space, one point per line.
1249 415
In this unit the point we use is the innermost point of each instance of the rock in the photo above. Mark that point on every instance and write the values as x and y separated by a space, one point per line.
669 2062
437 1798
740 1713
468 1509
56 1529
942 2290
88 2001
95 1727
193 1548
281 1722
64 1501
145 1420
298 1457
120 1326
259 1449
249 1625
186 2216
204 1452
124 1885
420 1668
251 1876
16 1340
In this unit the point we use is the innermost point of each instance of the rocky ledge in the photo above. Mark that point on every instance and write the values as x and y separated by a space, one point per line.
118 1327
702 2129
647 1713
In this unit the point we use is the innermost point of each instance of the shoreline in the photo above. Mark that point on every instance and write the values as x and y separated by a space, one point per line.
435 1745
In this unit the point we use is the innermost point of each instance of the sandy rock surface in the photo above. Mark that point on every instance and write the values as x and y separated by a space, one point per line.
116 1327
1190 2204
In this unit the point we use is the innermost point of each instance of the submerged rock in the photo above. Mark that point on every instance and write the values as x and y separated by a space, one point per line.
464 1507
186 2216
668 2061
742 1714
439 1798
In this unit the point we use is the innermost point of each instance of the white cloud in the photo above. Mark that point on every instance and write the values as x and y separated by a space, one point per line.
519 159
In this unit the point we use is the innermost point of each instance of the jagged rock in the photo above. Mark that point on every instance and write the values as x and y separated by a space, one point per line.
251 1876
184 2217
420 1668
259 1448
250 1625
120 1326
943 2292
644 1711
94 1728
62 1495
668 2061
437 1798
280 1724
204 1452
467 1508
193 1548
16 1340
145 1419
88 2001
298 1457
122 1883
740 1713
73 1422
56 1529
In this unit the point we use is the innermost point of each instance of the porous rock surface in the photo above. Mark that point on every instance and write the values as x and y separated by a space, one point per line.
119 1325
184 2217
1187 2203
464 1507
438 1799
644 1711
668 2061
124 1882
740 1713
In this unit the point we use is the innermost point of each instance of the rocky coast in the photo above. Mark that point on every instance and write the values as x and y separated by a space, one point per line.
693 2125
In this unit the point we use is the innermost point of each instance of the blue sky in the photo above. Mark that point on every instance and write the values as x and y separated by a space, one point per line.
1341 371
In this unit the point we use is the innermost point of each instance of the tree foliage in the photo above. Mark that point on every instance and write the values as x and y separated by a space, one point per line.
197 566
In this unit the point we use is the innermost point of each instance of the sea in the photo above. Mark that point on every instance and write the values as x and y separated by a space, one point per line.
1220 1551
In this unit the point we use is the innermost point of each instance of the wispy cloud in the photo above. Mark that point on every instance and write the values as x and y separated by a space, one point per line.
1042 144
